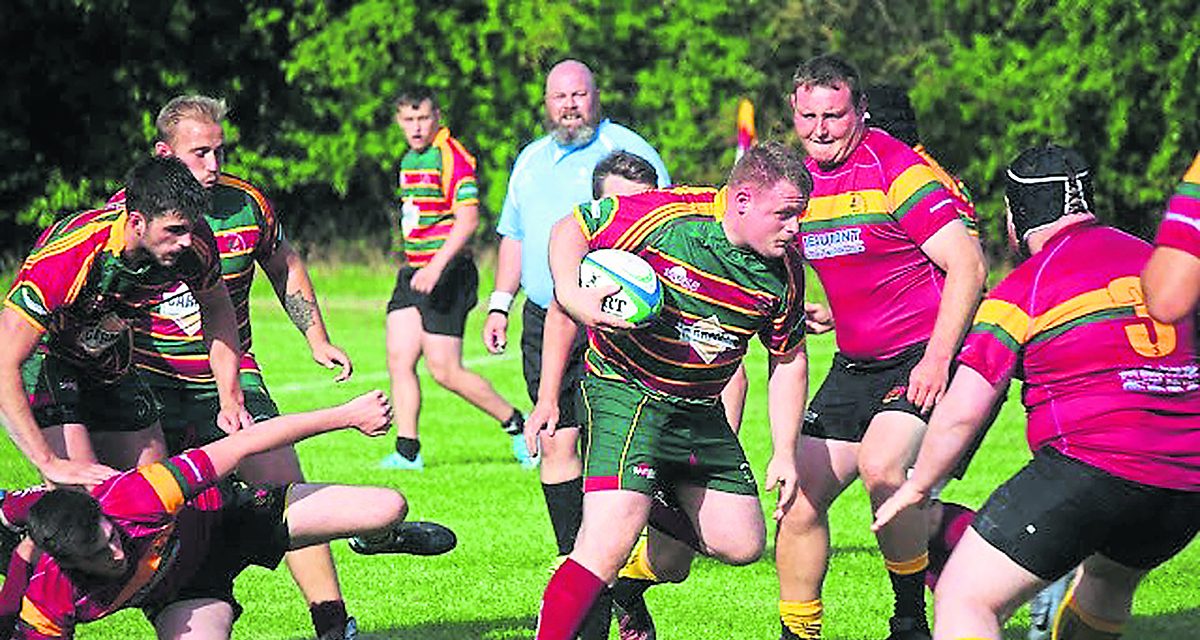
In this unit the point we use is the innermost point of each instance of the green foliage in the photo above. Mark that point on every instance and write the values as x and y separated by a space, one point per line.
310 84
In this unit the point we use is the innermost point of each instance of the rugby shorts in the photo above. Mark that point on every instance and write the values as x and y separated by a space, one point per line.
444 309
639 442
1057 511
61 393
252 530
533 322
855 391
189 415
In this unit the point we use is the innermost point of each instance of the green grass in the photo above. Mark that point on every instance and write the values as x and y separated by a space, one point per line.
491 585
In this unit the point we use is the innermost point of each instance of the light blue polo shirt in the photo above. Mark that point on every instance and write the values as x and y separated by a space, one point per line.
546 183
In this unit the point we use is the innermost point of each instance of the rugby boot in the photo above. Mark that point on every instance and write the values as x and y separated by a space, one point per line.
1044 607
786 633
908 629
349 632
633 620
413 538
396 461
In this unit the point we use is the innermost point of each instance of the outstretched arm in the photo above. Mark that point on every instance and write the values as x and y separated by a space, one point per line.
952 428
289 277
370 413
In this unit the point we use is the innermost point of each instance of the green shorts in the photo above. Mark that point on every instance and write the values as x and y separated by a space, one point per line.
638 442
60 393
189 416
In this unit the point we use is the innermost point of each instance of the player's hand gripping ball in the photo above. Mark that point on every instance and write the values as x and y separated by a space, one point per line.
640 296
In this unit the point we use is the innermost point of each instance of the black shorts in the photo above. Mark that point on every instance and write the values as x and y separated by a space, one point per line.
856 390
61 393
443 310
1057 511
533 319
252 531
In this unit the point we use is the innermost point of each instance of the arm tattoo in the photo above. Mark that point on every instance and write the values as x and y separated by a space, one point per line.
300 310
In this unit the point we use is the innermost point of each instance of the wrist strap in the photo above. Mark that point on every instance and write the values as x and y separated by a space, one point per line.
500 302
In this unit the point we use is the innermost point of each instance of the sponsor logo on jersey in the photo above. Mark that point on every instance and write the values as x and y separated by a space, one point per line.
679 275
858 204
180 306
707 338
644 470
831 244
410 215
95 339
1161 380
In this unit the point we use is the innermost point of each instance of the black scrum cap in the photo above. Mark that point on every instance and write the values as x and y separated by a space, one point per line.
1044 184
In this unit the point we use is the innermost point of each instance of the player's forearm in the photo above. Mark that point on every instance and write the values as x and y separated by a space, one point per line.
227 453
952 427
294 288
787 393
219 324
508 266
558 333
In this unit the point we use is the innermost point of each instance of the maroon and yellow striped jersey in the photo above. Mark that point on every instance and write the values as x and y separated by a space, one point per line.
432 183
1180 228
716 296
77 287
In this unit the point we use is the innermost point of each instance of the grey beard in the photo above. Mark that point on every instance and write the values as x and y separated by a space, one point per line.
567 137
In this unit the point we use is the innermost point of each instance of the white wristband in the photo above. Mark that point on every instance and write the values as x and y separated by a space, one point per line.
500 301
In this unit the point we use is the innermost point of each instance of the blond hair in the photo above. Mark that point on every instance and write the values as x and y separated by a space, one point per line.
194 107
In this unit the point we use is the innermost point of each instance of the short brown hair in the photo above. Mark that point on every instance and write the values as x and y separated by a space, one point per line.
830 71
767 163
627 165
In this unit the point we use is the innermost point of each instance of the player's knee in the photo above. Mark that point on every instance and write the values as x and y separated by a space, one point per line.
881 474
738 550
389 507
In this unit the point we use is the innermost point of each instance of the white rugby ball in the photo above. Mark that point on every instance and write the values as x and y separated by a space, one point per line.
640 296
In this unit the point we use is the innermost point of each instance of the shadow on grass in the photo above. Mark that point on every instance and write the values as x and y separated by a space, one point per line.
499 629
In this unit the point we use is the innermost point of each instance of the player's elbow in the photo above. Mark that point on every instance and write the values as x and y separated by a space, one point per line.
1167 309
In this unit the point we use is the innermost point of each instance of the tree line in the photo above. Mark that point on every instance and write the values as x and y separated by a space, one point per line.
310 84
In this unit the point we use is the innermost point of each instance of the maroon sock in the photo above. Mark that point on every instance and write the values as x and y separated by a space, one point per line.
567 599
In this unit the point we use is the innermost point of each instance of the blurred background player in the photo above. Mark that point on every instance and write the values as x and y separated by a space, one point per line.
651 394
1172 277
436 288
170 537
168 341
1112 398
65 360
902 275
550 176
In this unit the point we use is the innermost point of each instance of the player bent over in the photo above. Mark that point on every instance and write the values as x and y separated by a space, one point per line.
170 537
1112 398
650 394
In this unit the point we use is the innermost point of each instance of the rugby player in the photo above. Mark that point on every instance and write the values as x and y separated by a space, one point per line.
902 275
650 394
65 358
170 537
167 340
550 176
1172 277
1112 398
437 287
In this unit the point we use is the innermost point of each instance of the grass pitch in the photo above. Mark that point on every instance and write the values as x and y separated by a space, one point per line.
489 588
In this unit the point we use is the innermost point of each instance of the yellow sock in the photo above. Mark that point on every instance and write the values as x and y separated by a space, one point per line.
802 618
638 565
908 567
1073 623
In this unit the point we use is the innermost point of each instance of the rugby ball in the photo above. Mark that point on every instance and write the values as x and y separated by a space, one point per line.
640 297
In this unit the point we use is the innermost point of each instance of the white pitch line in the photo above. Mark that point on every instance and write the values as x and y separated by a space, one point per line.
381 376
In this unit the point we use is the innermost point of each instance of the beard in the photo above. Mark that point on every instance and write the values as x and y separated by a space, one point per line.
572 136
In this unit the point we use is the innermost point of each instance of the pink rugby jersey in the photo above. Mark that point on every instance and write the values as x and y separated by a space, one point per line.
147 505
1180 228
1104 383
862 233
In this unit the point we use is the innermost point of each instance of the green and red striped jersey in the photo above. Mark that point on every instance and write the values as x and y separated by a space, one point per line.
432 183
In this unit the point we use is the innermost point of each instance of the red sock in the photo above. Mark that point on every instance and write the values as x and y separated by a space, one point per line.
567 599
